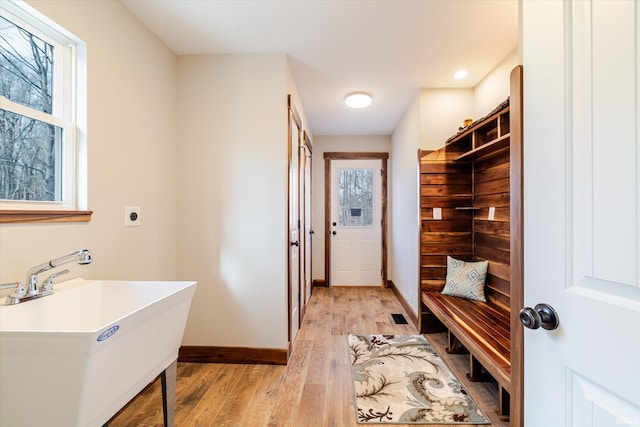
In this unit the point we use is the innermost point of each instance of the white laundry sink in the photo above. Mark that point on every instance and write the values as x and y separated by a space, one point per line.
78 356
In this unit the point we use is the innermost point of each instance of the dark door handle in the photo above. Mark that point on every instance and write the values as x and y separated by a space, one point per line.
295 243
312 232
542 315
334 232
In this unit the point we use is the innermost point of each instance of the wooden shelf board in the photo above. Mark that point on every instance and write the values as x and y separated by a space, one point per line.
495 145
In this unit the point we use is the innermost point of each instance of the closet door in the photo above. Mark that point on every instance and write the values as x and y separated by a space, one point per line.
294 145
305 206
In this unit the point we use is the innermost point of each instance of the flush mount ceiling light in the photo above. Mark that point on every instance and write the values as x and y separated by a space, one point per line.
460 74
358 100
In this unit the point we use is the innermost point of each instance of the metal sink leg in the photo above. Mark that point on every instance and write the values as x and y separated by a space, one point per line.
168 379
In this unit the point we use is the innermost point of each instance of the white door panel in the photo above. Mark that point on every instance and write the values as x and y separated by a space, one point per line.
370 260
342 249
593 405
581 198
294 296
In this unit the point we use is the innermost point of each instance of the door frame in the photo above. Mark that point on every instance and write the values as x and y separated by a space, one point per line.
307 236
516 176
328 157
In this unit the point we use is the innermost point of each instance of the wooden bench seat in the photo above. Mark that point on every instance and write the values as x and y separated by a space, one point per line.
483 329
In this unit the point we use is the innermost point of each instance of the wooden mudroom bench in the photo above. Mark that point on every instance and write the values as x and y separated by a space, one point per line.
482 328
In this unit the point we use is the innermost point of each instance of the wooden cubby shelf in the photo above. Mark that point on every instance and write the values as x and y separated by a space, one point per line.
487 136
495 146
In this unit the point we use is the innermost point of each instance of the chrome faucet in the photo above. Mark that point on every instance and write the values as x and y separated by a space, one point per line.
82 257
32 290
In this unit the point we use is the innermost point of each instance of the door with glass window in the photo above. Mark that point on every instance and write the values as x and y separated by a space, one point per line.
355 224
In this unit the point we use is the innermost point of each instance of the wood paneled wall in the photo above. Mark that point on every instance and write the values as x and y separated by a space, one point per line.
465 188
448 186
491 238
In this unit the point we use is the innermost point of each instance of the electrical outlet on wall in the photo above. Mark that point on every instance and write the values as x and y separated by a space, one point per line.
437 213
132 216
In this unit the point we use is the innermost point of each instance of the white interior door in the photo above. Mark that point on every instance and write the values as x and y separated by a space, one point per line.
307 224
356 228
581 215
295 134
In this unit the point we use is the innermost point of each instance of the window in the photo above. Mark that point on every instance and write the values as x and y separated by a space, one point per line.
42 114
355 197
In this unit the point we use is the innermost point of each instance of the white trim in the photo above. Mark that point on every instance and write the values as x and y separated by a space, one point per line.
43 27
32 113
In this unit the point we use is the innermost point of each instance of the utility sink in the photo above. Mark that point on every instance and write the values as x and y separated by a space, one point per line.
76 357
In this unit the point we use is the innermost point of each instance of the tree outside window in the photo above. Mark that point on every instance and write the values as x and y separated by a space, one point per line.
30 149
355 197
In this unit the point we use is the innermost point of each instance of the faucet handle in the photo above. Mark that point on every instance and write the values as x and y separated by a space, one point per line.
47 285
12 285
17 294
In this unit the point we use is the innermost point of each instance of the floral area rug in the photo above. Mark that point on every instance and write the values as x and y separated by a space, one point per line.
399 379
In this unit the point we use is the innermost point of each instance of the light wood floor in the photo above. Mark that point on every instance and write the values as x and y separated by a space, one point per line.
313 390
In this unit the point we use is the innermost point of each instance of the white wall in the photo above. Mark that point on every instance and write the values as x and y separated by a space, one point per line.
433 116
333 143
442 112
131 154
494 88
404 217
232 201
292 90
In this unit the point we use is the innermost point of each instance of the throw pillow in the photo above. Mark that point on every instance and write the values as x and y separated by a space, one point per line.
466 279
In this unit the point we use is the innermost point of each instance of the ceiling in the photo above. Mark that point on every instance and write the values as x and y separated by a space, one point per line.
388 48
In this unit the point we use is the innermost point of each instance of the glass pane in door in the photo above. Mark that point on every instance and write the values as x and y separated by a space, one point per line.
355 197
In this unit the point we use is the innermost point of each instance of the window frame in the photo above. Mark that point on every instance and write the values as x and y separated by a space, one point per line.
69 112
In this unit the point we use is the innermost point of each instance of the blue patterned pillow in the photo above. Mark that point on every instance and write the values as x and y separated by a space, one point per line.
466 279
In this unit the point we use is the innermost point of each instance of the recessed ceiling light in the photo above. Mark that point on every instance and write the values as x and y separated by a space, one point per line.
358 100
460 74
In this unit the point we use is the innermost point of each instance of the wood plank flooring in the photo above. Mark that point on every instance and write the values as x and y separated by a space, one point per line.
314 389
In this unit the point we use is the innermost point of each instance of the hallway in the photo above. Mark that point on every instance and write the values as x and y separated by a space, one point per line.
313 390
